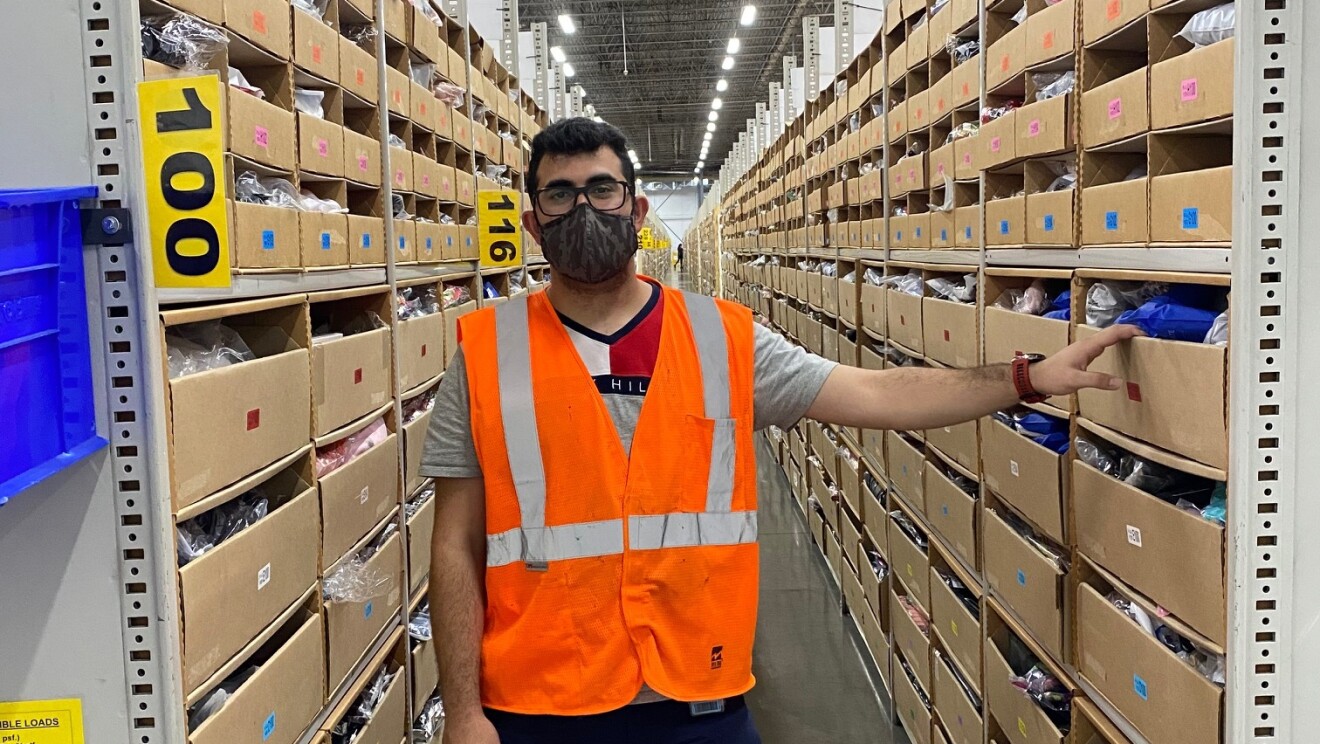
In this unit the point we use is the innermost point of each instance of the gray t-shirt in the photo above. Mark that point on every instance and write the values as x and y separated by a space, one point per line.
787 379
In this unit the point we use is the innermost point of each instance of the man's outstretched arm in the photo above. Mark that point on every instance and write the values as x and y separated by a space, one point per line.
914 398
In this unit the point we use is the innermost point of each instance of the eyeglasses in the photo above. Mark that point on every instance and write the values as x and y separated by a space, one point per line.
605 196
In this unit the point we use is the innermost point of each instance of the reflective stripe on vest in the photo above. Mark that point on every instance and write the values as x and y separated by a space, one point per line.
535 544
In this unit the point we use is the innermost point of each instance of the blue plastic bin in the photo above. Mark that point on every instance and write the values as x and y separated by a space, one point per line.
47 400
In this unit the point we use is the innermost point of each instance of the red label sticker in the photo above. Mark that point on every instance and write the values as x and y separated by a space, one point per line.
1048 40
259 22
940 104
920 113
423 349
398 96
1134 392
967 89
946 336
361 76
912 175
316 53
1190 90
1004 63
254 419
423 109
261 136
357 376
1113 10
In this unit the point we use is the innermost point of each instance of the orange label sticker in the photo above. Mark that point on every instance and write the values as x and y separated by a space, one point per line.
361 76
259 22
967 89
1048 41
1004 63
1113 10
316 53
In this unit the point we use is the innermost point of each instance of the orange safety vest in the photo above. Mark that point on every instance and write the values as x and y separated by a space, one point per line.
605 570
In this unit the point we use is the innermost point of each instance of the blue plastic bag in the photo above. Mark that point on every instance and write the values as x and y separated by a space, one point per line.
1061 307
1166 318
1039 425
1055 441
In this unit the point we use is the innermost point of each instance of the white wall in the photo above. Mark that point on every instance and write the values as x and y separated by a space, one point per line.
675 210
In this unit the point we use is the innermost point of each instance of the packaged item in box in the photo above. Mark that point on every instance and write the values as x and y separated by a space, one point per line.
363 35
968 600
353 582
873 276
951 289
364 708
1047 692
1218 334
181 41
1209 664
416 302
878 565
310 102
201 347
1028 533
1107 300
419 624
490 291
1053 84
910 529
1210 26
1192 493
909 283
430 721
1047 431
918 615
239 81
269 191
208 530
213 701
1167 318
418 406
455 296
316 8
338 454
421 73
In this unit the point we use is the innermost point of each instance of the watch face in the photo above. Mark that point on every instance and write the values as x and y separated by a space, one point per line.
1033 358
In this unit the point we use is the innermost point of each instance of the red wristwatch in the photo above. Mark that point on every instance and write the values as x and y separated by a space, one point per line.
1021 370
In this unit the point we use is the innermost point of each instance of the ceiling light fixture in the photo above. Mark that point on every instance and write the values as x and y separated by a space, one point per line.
568 70
709 136
566 23
748 15
728 63
713 117
701 164
722 85
557 53
734 45
717 104
710 127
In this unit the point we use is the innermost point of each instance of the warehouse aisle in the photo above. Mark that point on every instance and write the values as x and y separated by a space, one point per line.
811 685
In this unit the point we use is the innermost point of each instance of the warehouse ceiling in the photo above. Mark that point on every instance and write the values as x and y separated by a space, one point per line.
673 55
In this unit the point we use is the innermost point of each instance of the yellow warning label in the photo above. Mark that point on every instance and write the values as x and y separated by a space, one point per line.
41 722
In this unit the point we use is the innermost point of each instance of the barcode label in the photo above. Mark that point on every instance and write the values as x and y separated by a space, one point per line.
263 577
1134 536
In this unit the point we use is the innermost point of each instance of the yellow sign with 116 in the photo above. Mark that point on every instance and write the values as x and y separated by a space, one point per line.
499 220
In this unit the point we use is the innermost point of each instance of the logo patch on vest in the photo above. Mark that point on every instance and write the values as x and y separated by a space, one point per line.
716 657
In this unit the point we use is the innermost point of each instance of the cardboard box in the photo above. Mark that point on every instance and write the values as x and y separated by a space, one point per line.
898 122
875 518
910 562
1007 58
958 631
351 376
920 227
402 169
1137 537
905 325
965 85
829 342
366 240
390 723
943 230
911 708
1138 675
430 242
260 131
1191 188
850 539
324 239
405 241
951 512
1115 213
1192 87
228 423
1094 727
358 72
966 152
1050 33
967 226
320 146
906 466
998 142
949 332
352 627
266 23
1102 19
315 46
1049 216
426 175
1006 221
266 568
1174 396
918 47
1115 110
359 494
421 528
265 237
425 673
283 696
361 159
1031 584
918 112
421 349
960 716
1045 127
1027 476
909 639
1022 720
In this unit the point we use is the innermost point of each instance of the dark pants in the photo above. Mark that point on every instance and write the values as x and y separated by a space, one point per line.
648 723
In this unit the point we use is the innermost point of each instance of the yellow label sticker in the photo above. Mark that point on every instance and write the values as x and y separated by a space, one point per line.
500 226
183 156
909 569
41 722
1022 726
646 239
953 626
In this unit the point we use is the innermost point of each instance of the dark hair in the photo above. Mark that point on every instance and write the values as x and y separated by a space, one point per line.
578 136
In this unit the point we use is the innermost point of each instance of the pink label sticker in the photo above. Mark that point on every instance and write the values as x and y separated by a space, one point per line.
912 174
362 163
940 169
323 147
1115 108
1191 90
967 159
995 144
399 177
1033 129
426 180
261 136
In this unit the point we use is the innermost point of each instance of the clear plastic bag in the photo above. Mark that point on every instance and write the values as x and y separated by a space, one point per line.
1053 84
338 454
1035 301
315 7
207 531
267 191
909 283
362 35
910 529
310 102
1049 694
239 81
416 302
873 276
1218 335
181 41
429 721
395 140
1211 26
419 500
364 709
455 296
310 202
850 277
419 623
214 700
355 583
951 289
963 49
917 615
422 73
1020 17
1096 456
204 346
418 406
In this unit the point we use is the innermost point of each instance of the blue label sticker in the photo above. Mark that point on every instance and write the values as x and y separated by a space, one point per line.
268 240
918 232
468 242
1022 577
403 244
449 241
900 235
968 233
1191 218
946 510
944 236
366 241
268 727
1139 687
428 244
1049 223
366 611
1111 220
905 470
325 241
1003 227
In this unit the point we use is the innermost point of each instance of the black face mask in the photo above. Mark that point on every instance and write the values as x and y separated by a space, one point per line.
589 246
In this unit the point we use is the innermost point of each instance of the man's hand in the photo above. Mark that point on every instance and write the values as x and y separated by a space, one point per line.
1066 372
470 728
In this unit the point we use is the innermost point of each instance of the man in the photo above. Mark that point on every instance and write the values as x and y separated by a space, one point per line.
594 571
680 256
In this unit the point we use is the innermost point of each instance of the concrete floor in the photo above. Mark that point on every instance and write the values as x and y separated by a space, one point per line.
813 686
